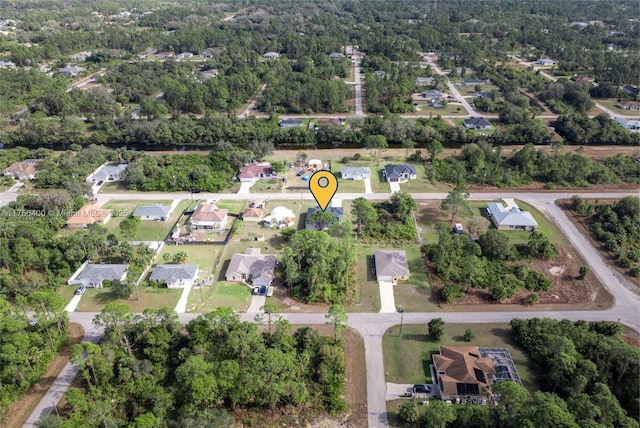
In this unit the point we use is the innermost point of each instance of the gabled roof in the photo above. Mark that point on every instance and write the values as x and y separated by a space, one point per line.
99 272
391 263
156 210
397 171
474 81
109 170
291 122
259 266
629 104
171 273
628 123
251 171
431 93
208 212
72 69
355 170
336 55
463 365
510 216
477 121
328 122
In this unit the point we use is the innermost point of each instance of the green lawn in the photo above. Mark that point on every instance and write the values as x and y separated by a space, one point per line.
414 295
366 296
610 103
203 255
234 207
221 293
407 358
267 186
450 109
149 230
94 299
378 185
114 187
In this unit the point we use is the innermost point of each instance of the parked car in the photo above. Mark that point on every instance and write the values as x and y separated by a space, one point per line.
424 389
256 291
100 183
407 394
80 290
263 291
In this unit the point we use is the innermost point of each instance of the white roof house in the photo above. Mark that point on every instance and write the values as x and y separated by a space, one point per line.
271 55
281 217
108 172
71 70
510 217
153 212
175 275
355 173
630 124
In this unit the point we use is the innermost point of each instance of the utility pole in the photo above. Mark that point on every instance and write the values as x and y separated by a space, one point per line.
401 319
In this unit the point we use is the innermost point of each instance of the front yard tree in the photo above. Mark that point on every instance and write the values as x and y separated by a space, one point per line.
338 317
122 289
434 148
408 412
438 414
436 329
130 226
321 219
454 200
277 167
365 214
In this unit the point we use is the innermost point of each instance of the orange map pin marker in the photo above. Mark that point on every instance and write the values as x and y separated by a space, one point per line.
323 185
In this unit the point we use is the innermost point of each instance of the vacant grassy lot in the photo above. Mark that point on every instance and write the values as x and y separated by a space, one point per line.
94 299
149 230
407 357
414 295
221 293
204 256
366 297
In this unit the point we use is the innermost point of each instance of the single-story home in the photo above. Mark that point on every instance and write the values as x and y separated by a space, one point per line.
630 124
381 74
155 212
250 173
336 213
280 217
208 216
424 81
463 372
546 61
271 55
391 265
252 214
108 172
399 173
81 56
484 95
629 105
631 90
355 172
165 55
175 275
209 74
315 164
474 81
71 70
93 275
336 55
330 122
185 55
88 214
24 170
510 217
252 267
477 123
290 123
432 95
7 64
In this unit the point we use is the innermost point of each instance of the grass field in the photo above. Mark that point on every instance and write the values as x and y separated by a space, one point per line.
414 295
203 255
94 299
149 230
367 293
407 357
267 186
610 103
234 207
221 293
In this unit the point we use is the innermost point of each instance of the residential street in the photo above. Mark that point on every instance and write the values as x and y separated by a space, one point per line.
372 326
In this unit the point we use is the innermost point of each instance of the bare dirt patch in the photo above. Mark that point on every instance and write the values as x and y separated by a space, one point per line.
19 411
566 290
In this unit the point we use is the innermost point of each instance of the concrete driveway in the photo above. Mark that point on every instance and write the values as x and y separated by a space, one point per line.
395 187
181 306
387 300
397 390
73 304
367 185
244 188
257 302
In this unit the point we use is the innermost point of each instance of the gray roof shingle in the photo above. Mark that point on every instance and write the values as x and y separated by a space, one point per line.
100 272
156 210
171 273
391 263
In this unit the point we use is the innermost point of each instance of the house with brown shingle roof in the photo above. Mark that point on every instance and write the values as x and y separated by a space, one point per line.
208 216
252 214
250 173
89 214
25 170
629 105
462 371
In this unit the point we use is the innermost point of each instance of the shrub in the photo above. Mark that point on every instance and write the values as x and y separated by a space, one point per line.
583 271
357 156
468 335
533 298
450 293
436 329
635 271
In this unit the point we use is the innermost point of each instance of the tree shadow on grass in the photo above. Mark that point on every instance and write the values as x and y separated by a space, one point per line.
416 337
104 298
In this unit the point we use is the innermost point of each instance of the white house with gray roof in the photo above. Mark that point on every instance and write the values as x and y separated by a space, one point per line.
155 212
93 275
399 173
355 173
510 217
175 275
108 172
252 267
391 265
71 70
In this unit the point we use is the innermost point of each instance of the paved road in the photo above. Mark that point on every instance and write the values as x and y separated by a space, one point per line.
357 80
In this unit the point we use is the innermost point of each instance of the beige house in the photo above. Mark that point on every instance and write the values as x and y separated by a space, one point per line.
25 170
208 216
89 214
